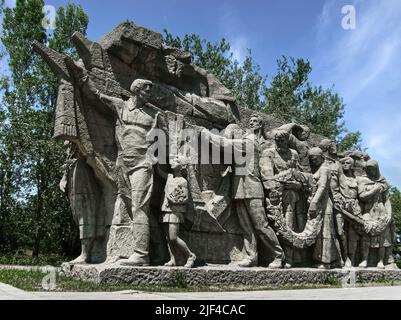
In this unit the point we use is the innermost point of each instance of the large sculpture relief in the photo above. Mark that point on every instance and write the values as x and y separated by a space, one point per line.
163 168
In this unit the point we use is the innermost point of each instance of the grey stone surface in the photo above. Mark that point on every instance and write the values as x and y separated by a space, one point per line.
222 275
291 205
366 293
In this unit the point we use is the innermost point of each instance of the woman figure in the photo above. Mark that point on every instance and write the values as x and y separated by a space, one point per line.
375 204
357 239
327 249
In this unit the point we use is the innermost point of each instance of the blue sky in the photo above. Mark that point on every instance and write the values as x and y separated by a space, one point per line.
363 64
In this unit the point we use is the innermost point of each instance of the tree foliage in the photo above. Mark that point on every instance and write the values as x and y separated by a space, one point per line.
244 80
395 198
34 213
290 96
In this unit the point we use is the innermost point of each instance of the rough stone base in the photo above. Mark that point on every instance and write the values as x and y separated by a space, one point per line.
226 276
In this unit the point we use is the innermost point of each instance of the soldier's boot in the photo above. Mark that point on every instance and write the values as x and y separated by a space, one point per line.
247 263
86 250
289 254
191 261
276 264
391 265
380 263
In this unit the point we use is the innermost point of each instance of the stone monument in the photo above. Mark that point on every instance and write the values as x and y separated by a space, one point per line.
164 169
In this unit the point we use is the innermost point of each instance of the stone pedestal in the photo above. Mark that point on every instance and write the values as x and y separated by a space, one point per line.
218 275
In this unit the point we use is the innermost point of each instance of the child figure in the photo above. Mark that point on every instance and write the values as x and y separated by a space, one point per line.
173 209
274 208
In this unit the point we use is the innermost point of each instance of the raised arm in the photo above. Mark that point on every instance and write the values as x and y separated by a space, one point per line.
91 92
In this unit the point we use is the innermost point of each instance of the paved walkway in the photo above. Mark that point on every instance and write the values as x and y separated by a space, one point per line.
372 293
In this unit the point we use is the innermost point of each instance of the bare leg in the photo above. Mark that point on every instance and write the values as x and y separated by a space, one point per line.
389 259
180 245
172 262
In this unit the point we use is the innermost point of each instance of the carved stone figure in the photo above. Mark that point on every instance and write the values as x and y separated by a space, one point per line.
274 191
358 240
299 134
376 205
326 251
135 118
280 172
79 183
329 149
249 195
173 209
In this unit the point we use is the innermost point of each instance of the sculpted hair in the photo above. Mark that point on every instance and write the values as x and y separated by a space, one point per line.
282 134
348 158
324 145
138 84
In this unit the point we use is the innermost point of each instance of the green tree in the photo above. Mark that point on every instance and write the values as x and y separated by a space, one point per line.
244 79
395 198
292 97
40 211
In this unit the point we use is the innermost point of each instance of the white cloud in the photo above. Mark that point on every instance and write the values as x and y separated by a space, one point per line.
239 47
364 64
359 56
10 3
229 25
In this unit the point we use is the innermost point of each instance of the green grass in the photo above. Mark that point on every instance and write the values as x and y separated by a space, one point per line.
27 260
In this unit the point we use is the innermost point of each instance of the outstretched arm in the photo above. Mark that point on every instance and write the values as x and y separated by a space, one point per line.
90 90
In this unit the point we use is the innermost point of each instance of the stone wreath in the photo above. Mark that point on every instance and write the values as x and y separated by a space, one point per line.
300 240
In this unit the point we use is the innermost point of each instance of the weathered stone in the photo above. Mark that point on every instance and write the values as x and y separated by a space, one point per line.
90 52
121 242
177 53
217 275
217 90
130 32
286 195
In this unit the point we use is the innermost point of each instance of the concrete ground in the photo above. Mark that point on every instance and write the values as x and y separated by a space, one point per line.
369 293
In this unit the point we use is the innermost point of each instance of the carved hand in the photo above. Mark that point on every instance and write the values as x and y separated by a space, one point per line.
63 184
312 212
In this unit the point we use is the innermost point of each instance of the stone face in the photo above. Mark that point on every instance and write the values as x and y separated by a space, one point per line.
255 191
